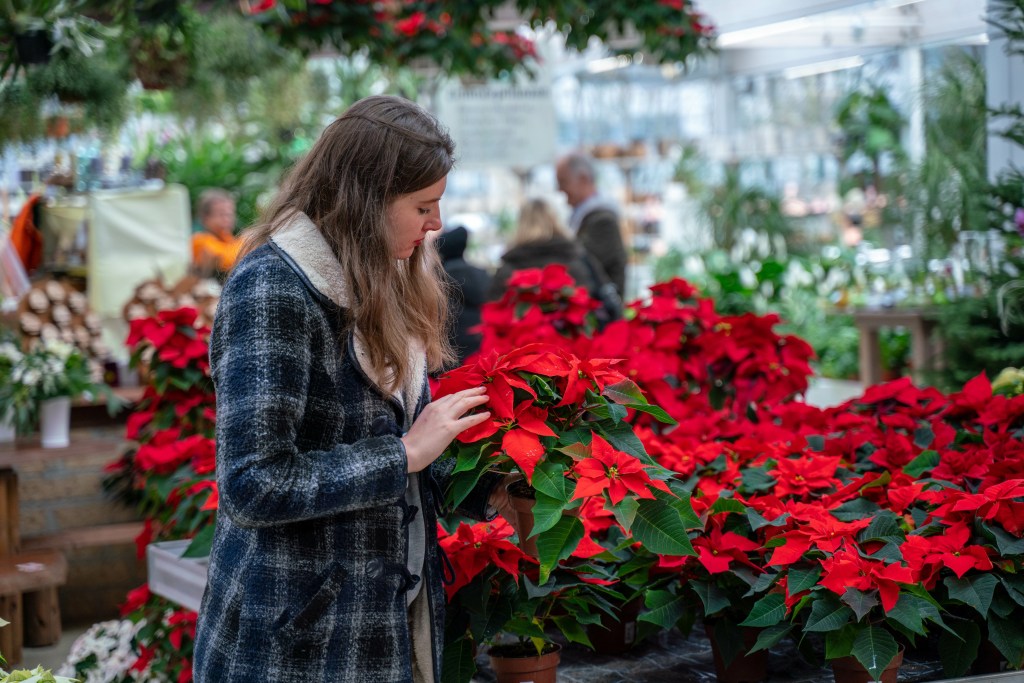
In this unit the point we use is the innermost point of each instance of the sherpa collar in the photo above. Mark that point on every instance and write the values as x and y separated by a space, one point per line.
303 242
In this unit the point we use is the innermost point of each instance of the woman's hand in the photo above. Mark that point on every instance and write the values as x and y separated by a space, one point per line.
440 422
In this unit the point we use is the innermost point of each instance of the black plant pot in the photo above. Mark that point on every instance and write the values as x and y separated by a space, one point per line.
33 47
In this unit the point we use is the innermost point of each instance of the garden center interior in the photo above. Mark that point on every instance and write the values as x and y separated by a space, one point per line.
817 344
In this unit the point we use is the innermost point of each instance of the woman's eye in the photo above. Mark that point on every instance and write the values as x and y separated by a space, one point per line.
424 212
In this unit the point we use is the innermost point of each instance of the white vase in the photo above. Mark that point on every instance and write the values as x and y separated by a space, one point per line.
55 422
7 431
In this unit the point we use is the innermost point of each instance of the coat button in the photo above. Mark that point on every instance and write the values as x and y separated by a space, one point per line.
382 425
375 568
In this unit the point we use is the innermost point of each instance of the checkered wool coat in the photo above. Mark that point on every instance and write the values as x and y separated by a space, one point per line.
308 577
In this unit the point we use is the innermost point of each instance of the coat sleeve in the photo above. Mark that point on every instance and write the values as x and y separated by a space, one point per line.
261 354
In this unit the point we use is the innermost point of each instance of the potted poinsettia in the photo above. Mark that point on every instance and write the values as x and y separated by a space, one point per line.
559 421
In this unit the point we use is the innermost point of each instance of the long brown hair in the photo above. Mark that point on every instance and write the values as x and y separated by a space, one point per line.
381 148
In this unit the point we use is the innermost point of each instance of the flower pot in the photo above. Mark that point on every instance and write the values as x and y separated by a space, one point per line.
55 422
615 636
849 670
33 47
512 664
520 495
744 668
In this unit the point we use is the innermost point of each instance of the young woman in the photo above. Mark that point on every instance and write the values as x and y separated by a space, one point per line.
325 565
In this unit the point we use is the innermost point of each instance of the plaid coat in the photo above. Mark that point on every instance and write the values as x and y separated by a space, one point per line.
308 577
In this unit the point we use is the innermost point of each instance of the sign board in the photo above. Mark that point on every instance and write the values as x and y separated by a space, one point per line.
499 125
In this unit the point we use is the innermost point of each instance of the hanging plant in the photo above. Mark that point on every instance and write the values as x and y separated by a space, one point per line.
99 83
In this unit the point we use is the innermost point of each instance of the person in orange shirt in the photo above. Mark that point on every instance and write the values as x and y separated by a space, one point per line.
215 248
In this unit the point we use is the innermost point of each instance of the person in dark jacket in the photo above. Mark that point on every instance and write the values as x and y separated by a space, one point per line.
540 240
595 219
325 564
467 293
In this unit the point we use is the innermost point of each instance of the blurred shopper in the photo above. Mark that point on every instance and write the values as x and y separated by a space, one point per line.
467 293
540 240
215 248
594 219
325 564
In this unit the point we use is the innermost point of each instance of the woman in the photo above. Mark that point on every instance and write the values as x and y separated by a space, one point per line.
325 565
540 240
215 248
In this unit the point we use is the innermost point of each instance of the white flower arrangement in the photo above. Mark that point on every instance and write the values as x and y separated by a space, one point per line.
105 654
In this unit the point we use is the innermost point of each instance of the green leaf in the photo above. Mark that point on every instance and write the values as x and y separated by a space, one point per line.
488 623
711 595
660 528
756 479
828 614
888 553
201 543
957 654
466 463
549 479
654 411
665 608
625 512
728 505
558 543
758 522
572 630
771 636
925 461
874 648
546 513
608 411
859 601
459 665
858 508
624 392
728 638
923 437
975 591
816 442
839 643
908 612
1007 544
622 437
1008 637
461 486
1014 587
768 611
803 579
884 527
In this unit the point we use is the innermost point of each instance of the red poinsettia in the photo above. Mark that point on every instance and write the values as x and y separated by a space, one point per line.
473 547
614 472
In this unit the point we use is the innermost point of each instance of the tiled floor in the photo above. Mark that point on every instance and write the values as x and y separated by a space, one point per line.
51 657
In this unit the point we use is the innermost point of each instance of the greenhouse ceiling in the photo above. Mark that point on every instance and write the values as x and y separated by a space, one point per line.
830 34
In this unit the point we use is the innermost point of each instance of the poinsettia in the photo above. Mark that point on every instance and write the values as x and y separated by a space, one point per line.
559 420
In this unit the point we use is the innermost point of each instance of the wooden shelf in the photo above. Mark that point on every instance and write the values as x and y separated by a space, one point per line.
84 442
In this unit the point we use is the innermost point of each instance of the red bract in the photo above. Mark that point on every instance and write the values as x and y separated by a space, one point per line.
472 547
847 569
800 476
929 554
718 549
613 471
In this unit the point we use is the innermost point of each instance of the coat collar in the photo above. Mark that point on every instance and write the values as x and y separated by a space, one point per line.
308 251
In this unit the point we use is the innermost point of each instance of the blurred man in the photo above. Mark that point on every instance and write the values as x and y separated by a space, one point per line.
594 219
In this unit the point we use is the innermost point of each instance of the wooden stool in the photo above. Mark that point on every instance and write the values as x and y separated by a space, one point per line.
36 575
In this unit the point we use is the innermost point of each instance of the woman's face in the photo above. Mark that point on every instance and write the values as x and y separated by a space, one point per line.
220 220
413 216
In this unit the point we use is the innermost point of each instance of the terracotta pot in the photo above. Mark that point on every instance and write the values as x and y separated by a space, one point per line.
615 636
744 668
524 522
529 668
849 670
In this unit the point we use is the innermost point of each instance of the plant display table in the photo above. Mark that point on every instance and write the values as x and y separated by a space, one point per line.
925 347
